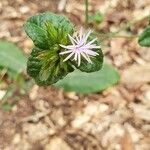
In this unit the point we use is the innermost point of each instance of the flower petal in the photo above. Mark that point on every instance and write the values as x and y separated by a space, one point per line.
67 47
75 57
91 46
91 42
65 52
87 35
86 57
73 41
68 57
89 59
90 52
79 59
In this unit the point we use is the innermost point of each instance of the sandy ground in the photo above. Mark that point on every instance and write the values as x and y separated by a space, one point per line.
50 119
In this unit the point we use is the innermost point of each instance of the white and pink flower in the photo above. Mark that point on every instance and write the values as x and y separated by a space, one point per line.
80 47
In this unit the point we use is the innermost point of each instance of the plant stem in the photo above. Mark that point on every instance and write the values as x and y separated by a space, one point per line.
109 37
86 12
131 24
115 34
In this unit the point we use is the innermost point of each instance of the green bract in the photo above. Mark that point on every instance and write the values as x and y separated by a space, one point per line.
45 65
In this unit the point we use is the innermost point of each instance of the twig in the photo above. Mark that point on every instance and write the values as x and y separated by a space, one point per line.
114 34
86 12
35 117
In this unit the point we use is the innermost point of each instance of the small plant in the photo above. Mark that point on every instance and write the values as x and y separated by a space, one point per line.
11 57
54 38
12 67
60 49
96 18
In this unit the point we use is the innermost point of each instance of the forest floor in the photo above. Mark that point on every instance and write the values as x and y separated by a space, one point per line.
51 119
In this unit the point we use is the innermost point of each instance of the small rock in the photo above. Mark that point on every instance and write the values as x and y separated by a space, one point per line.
16 139
135 135
24 9
147 95
141 111
79 121
58 118
91 110
2 94
36 132
113 134
57 144
95 108
34 92
72 95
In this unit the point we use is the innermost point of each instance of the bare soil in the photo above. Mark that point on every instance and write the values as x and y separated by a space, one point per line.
50 119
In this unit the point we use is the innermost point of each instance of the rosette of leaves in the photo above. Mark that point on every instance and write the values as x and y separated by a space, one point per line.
45 65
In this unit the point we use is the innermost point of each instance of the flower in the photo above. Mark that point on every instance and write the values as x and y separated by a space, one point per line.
80 47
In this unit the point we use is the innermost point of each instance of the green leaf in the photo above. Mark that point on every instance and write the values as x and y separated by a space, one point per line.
6 107
65 28
82 82
46 67
38 35
96 18
11 57
144 38
52 32
47 29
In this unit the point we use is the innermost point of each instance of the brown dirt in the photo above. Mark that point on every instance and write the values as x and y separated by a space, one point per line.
50 119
